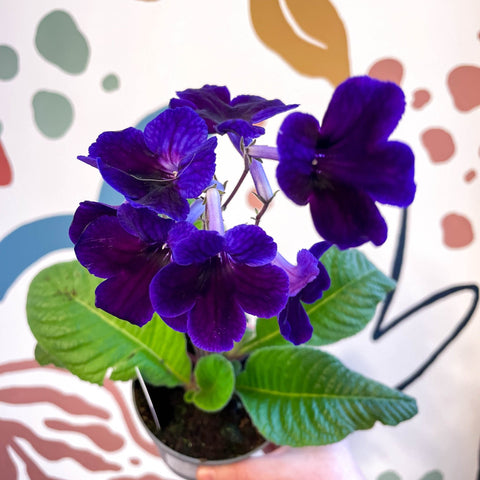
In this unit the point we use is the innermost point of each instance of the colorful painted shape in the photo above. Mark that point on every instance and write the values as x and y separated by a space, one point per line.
8 62
439 144
60 42
457 231
464 86
387 69
308 34
5 168
53 113
420 98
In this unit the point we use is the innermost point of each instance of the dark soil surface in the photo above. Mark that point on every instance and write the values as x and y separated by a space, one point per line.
193 432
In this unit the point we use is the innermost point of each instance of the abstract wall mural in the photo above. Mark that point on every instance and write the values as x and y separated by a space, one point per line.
69 71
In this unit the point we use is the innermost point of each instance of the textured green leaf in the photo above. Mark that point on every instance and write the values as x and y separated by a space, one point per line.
357 287
215 380
87 341
44 358
303 396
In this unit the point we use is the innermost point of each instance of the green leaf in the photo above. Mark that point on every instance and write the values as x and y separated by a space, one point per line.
302 396
345 308
215 379
44 358
357 287
75 334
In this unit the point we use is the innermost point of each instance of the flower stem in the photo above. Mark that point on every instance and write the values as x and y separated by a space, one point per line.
240 181
262 151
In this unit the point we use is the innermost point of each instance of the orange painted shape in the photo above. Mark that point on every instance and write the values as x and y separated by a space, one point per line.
5 169
457 231
308 34
470 175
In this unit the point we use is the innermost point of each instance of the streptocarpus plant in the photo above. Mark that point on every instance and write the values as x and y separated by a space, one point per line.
162 273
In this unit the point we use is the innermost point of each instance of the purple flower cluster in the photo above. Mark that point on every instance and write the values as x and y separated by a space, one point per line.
204 282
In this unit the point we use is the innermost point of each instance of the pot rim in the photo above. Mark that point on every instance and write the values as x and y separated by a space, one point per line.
186 458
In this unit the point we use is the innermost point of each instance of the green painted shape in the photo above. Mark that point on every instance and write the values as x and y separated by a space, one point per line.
1 128
53 113
433 475
60 42
8 62
390 475
111 82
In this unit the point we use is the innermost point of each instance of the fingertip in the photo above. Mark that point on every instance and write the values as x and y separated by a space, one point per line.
206 473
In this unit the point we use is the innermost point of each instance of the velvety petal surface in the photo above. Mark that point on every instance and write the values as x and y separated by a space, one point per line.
364 110
174 289
294 323
299 275
173 134
296 142
85 214
261 291
198 247
125 150
126 295
217 320
144 223
347 217
196 169
249 244
106 249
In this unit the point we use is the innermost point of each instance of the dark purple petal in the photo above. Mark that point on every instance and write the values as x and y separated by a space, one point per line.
242 128
257 109
318 249
294 323
125 150
250 245
126 295
180 323
106 249
144 223
217 321
347 217
261 291
301 274
296 143
313 290
198 247
85 214
174 289
88 160
196 170
363 110
173 134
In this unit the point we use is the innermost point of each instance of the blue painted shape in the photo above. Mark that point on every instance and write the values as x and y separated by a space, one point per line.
28 243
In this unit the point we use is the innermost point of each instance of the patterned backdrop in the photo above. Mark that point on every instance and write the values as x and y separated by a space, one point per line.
70 70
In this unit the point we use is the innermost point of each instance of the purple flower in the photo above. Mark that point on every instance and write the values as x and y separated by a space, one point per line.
125 245
344 166
160 168
308 280
214 279
223 115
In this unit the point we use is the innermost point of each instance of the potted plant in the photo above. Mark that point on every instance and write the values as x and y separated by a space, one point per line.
212 321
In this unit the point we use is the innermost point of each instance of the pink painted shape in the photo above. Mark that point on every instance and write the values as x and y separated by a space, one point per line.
101 435
420 98
457 231
387 69
439 144
69 403
470 175
464 85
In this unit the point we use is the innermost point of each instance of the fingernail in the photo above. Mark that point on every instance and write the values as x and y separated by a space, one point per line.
205 473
